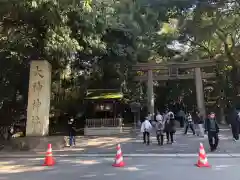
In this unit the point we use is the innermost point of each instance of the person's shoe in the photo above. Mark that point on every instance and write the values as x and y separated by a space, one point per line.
234 140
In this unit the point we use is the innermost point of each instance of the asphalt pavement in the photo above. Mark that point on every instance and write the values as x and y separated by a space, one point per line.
135 169
184 144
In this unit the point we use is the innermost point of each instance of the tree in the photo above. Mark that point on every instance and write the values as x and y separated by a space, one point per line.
220 21
31 30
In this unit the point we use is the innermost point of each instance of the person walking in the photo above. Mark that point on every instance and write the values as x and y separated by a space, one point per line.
234 120
189 123
211 127
72 131
146 129
181 117
199 121
170 128
159 129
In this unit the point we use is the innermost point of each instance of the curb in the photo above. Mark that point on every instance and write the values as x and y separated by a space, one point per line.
125 155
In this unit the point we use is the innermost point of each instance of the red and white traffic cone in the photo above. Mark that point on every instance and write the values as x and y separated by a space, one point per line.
202 158
49 161
119 158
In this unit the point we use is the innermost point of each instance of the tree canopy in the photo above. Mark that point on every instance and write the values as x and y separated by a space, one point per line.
93 44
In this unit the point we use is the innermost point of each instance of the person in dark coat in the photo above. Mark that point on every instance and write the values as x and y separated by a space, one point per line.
170 128
234 120
211 127
199 121
72 131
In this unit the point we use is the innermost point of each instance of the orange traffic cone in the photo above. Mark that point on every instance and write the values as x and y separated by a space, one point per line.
49 161
119 158
202 158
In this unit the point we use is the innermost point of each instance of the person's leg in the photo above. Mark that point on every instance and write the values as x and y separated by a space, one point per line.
171 136
144 137
162 139
233 131
210 140
148 138
216 140
186 128
201 130
192 128
74 140
158 137
167 134
237 131
70 139
181 121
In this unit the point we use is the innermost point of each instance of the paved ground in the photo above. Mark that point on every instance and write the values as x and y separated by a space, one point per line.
136 169
185 144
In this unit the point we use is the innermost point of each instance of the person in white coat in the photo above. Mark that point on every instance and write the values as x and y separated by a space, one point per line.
146 129
159 129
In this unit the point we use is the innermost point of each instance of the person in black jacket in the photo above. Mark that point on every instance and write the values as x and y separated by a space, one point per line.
72 131
170 128
234 120
212 128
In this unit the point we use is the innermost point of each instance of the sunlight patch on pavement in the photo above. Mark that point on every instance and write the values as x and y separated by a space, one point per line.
6 162
109 159
9 169
87 162
132 169
107 141
36 159
221 167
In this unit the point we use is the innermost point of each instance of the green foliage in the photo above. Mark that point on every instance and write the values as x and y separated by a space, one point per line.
93 44
212 28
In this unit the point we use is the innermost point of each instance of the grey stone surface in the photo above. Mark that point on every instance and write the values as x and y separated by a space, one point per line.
184 144
135 169
188 144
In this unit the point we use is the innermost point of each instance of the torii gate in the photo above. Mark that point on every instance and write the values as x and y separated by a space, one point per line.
171 71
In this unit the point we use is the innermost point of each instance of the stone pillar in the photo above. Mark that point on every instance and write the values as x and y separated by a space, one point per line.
38 99
199 91
150 93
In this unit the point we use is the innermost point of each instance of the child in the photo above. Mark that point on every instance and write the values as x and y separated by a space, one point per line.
145 129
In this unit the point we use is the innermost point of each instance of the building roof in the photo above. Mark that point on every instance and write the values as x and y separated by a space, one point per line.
104 94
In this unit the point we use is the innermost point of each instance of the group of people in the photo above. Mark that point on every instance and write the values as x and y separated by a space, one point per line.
166 124
162 124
